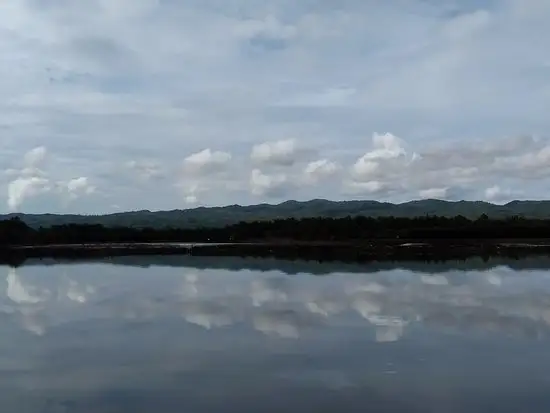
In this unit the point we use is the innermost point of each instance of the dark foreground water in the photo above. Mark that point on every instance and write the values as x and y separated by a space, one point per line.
103 338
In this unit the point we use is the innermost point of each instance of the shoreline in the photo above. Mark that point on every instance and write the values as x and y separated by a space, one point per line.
359 252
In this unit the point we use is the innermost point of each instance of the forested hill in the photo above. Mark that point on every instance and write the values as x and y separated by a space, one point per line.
222 216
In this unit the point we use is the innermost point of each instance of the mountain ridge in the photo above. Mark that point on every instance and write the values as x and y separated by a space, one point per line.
230 214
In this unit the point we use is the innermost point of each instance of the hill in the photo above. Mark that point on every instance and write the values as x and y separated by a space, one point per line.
221 216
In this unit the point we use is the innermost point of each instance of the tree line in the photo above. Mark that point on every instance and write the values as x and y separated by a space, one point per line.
16 232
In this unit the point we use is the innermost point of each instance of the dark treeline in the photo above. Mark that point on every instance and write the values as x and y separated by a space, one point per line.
16 232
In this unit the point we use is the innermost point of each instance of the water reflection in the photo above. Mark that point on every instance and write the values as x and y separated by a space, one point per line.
233 263
125 332
278 304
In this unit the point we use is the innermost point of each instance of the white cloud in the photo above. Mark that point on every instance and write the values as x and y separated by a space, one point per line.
434 193
498 194
267 185
369 187
448 171
192 191
28 181
35 156
197 189
282 153
365 168
387 156
22 189
99 89
206 161
80 186
319 170
386 146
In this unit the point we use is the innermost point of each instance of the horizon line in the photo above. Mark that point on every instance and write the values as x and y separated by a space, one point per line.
281 203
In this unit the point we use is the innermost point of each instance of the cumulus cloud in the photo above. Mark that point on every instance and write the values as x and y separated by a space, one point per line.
28 181
206 161
379 170
448 170
282 153
103 90
21 189
191 199
35 156
206 172
386 146
80 186
317 171
497 194
370 187
387 155
267 185
196 187
392 169
434 193
31 181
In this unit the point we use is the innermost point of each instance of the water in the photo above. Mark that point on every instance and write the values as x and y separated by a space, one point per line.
198 335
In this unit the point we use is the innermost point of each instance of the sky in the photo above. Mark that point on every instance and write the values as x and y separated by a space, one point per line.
113 105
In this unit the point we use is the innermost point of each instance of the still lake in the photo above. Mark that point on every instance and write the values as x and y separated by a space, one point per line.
206 335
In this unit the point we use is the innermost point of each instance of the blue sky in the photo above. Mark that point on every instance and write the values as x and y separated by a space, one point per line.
112 105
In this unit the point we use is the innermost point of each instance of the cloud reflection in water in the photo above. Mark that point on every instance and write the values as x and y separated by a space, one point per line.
282 306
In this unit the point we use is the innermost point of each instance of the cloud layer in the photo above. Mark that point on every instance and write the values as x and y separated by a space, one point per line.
215 103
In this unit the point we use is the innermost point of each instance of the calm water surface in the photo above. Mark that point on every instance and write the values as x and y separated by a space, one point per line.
267 336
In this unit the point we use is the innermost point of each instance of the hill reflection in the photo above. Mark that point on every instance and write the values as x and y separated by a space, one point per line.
235 263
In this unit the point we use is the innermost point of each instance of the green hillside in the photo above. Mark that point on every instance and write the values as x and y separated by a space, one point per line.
221 216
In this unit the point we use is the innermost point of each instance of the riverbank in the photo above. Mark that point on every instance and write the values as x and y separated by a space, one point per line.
379 250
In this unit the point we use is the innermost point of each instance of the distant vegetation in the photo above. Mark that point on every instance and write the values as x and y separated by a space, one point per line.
16 232
230 215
